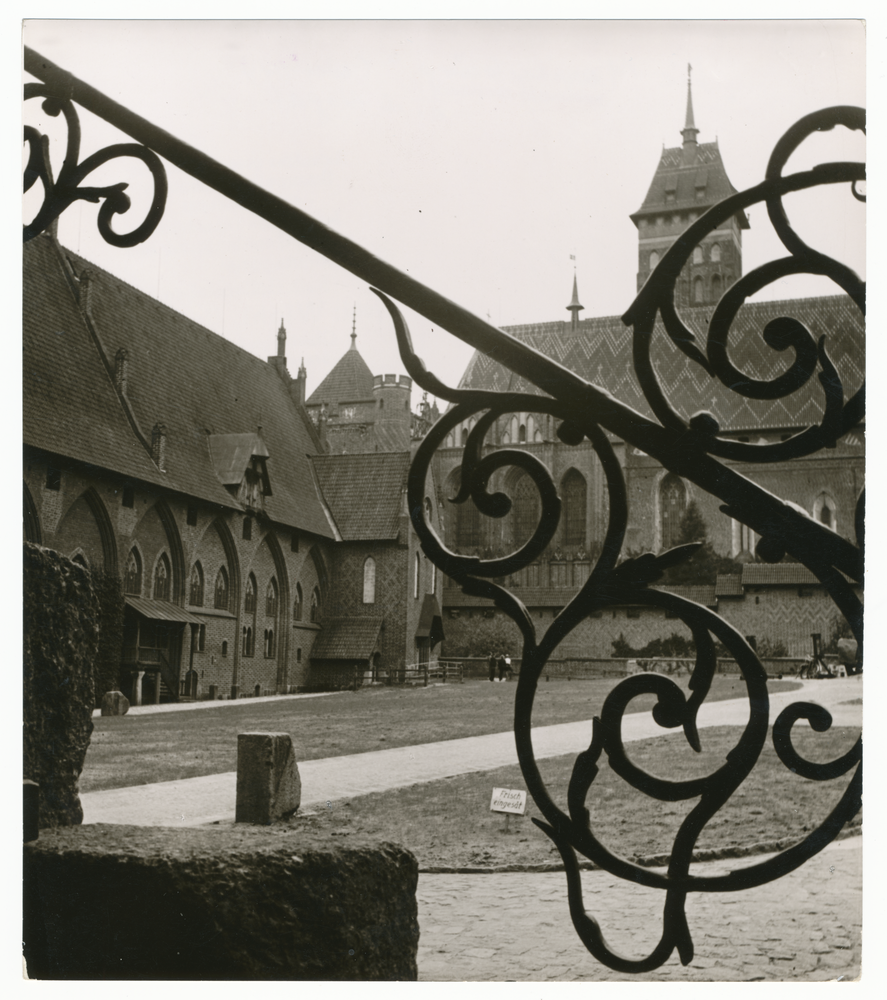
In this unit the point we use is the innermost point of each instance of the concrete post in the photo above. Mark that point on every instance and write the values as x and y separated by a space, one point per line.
268 782
137 687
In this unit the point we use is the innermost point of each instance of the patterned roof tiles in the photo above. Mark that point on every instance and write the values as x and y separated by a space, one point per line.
362 513
600 352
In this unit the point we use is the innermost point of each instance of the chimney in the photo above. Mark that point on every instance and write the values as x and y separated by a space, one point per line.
278 360
298 386
121 371
158 446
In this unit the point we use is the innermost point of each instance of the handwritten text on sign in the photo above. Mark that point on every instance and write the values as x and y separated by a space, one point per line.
509 800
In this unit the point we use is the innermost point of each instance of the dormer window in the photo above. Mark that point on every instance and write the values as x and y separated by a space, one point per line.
240 462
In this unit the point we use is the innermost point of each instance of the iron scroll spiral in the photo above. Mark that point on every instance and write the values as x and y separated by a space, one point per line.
611 582
687 448
60 193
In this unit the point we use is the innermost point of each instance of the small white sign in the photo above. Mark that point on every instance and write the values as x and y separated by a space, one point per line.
509 800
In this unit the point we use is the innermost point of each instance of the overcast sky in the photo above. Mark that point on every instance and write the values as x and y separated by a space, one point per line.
477 156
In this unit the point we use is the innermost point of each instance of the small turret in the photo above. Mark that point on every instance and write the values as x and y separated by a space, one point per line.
575 305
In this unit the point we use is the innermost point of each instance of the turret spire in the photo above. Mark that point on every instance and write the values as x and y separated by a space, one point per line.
354 329
575 305
281 340
689 131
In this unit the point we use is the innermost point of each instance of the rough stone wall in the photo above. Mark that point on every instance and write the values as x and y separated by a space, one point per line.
238 903
60 643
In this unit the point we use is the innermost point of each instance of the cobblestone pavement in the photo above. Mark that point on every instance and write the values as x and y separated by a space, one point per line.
804 927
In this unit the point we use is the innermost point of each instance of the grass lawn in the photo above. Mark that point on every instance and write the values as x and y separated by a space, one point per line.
448 822
140 749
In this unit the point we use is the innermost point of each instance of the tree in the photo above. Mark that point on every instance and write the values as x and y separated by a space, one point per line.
705 564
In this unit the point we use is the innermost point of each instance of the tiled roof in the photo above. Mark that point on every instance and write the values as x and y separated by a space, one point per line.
729 585
231 454
601 349
180 374
703 594
706 172
349 380
361 512
788 574
347 639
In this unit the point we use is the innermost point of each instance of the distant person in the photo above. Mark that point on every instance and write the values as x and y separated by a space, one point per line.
508 669
492 667
501 665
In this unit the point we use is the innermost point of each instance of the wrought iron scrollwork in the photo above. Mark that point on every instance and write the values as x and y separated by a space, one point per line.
61 193
689 448
572 830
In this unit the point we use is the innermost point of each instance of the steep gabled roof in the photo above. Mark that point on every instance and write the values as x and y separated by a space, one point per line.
180 374
349 380
362 513
600 351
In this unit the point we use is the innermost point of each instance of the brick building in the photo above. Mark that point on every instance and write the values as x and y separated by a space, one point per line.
687 181
158 452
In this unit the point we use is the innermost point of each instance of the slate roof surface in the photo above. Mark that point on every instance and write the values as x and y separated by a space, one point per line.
231 454
600 352
364 493
707 172
349 380
729 585
347 639
180 374
788 574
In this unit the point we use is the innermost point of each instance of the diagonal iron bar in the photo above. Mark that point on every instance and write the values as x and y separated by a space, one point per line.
689 449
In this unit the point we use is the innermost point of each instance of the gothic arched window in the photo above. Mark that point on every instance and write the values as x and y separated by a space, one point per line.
369 581
271 599
162 576
672 502
716 253
132 582
574 496
698 293
825 511
654 259
221 594
525 509
716 286
249 604
195 591
697 255
297 604
315 605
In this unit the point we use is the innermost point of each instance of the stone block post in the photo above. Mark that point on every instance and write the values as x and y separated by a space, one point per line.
268 783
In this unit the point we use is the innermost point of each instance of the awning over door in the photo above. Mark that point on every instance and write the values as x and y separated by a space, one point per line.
430 621
161 611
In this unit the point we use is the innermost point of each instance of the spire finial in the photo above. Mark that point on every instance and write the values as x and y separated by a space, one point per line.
354 329
575 304
689 131
281 340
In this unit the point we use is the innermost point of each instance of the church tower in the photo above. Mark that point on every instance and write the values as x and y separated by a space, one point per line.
690 179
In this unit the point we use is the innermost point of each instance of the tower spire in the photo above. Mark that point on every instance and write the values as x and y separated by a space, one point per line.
575 305
689 131
281 340
354 329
